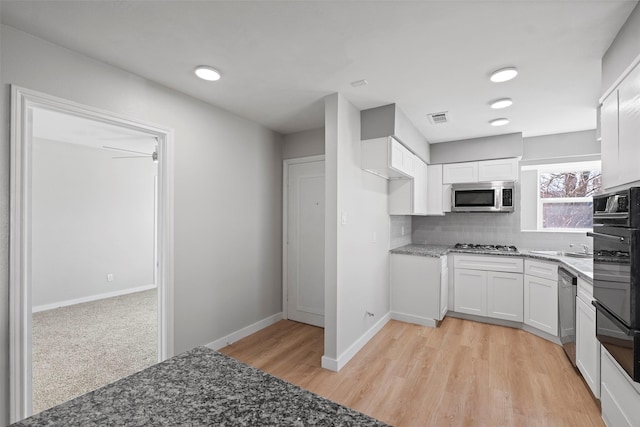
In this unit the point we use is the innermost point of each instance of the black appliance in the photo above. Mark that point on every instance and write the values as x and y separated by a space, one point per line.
616 275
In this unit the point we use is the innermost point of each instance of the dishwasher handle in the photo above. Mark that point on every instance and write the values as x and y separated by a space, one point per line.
567 276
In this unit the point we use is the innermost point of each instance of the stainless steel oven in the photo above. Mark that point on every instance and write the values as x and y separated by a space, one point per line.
616 276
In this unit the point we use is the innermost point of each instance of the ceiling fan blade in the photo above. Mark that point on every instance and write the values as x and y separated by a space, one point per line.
122 149
131 157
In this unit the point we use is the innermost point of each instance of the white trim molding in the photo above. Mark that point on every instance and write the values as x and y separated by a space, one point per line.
23 102
96 297
285 220
337 364
245 332
416 320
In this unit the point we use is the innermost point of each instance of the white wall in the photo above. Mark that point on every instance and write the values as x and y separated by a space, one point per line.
228 191
357 258
92 215
562 147
303 144
484 148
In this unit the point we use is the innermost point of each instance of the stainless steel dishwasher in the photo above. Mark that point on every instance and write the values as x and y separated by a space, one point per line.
567 292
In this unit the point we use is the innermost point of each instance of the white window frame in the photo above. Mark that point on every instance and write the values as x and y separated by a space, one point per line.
560 167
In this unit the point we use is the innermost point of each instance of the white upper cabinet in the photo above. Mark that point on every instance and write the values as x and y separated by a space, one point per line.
629 127
483 171
498 170
458 173
435 191
609 140
386 157
620 132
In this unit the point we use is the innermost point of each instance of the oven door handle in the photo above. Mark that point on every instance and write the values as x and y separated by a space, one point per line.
605 236
600 308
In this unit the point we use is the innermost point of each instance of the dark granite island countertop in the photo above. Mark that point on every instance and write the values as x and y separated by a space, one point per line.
200 388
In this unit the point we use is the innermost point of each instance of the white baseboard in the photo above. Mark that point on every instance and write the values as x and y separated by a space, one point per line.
90 298
410 318
244 332
347 355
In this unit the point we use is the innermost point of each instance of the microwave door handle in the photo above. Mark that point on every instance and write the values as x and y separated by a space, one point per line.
605 236
614 320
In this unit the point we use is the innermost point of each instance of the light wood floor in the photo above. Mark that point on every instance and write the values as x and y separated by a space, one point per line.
461 374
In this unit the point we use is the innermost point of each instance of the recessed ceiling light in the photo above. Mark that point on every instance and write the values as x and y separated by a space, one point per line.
501 103
503 74
499 122
207 73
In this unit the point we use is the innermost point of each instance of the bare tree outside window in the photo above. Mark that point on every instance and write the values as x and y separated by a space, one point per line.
566 198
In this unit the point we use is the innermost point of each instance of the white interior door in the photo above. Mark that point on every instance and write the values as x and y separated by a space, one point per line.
305 242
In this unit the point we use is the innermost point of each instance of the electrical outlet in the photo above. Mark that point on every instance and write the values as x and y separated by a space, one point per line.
402 231
110 277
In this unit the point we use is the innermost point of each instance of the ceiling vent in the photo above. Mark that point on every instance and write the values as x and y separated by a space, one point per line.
439 118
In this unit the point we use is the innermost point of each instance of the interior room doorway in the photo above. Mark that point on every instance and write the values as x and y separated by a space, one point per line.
130 258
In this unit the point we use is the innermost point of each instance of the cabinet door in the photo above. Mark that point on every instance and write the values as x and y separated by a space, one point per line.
434 190
415 287
470 288
420 187
619 395
498 170
541 304
629 127
609 141
460 173
505 296
397 155
587 346
544 270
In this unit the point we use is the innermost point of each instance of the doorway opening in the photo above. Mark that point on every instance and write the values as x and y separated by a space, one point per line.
91 241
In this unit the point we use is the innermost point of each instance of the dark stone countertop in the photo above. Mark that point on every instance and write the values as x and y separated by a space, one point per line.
200 388
582 267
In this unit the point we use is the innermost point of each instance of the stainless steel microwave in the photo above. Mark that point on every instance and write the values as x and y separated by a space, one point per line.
496 196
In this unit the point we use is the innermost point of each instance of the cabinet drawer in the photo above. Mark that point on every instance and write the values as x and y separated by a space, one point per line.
488 263
544 270
585 291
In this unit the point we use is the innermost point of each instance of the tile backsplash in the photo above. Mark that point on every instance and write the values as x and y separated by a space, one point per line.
400 223
489 228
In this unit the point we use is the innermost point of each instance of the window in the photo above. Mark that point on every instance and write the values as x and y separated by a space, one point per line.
564 195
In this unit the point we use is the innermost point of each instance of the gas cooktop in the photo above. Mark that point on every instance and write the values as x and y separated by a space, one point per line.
496 248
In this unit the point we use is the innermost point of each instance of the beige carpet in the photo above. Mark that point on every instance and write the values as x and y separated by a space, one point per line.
82 347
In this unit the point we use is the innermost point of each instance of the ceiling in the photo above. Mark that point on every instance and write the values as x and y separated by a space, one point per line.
279 59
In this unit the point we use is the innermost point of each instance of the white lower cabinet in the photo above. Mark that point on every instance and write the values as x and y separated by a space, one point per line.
483 292
541 304
470 291
541 295
419 288
504 296
619 396
587 345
